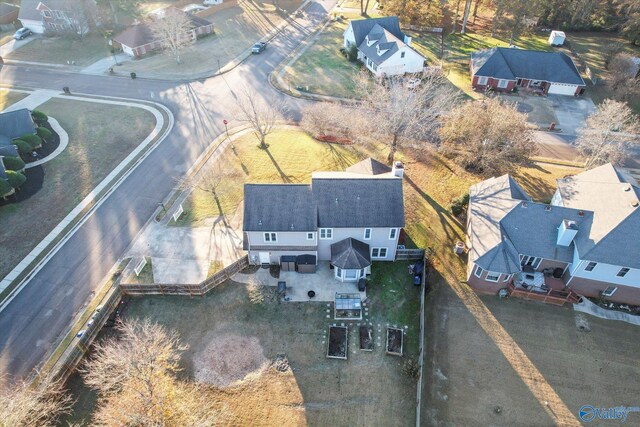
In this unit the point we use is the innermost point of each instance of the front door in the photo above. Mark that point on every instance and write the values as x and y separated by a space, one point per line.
264 258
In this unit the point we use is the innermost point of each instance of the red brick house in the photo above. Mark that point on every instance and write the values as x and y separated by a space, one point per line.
138 39
585 243
505 69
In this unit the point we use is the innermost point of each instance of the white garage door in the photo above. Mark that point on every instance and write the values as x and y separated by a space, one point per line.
562 89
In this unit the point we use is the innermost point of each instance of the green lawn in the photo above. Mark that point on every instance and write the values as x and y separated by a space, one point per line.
59 50
322 68
291 157
100 137
9 97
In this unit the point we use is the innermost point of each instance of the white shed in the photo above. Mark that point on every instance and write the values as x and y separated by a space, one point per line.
556 38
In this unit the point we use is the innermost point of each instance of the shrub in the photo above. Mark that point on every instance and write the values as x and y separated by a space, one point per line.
39 117
16 179
23 146
33 140
5 187
44 133
352 54
13 163
460 204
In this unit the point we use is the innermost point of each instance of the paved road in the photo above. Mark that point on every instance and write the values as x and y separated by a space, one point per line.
43 310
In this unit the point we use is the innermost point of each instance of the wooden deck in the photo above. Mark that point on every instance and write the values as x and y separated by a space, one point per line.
553 295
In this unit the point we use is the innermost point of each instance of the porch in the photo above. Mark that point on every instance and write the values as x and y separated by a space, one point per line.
538 286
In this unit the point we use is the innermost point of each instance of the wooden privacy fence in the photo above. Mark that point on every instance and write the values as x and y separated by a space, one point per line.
423 291
409 254
198 289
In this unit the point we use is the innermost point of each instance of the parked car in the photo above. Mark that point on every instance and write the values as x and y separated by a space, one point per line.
22 33
258 47
211 2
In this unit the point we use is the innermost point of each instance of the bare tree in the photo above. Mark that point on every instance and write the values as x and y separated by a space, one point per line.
25 405
135 376
173 30
465 17
609 134
327 118
217 177
364 6
403 114
261 115
80 17
487 137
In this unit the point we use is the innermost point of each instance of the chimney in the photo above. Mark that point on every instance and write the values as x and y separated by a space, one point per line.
398 169
566 232
407 40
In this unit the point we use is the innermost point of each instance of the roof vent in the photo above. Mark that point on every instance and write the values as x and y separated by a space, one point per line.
259 222
580 213
634 203
547 208
627 188
524 204
336 200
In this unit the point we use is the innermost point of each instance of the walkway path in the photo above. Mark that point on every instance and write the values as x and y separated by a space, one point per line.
31 102
588 307
64 141
101 66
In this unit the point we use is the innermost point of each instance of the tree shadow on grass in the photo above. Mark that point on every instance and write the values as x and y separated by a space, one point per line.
285 178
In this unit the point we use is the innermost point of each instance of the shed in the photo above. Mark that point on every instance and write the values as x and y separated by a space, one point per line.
306 263
556 38
288 263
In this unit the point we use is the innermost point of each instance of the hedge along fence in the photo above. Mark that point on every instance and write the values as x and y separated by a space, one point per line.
199 289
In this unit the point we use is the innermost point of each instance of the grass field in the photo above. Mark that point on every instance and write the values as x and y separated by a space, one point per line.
9 97
100 137
59 50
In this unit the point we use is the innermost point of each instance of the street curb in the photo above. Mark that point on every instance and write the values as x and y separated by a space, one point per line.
81 213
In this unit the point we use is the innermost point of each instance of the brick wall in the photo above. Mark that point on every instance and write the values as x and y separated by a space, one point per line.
592 288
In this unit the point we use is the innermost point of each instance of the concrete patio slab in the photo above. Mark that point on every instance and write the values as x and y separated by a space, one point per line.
172 271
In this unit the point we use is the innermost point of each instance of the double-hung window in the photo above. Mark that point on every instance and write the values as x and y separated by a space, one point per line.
478 271
270 237
609 291
393 232
309 236
502 83
482 80
378 252
623 272
492 276
326 233
590 266
367 234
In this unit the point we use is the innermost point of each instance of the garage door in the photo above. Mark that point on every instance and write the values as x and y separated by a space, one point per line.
562 89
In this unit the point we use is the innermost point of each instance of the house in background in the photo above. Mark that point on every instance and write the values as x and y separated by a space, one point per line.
138 39
382 47
348 219
57 15
504 69
8 15
585 243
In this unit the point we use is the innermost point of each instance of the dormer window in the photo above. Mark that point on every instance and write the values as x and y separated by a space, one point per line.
369 41
381 51
401 54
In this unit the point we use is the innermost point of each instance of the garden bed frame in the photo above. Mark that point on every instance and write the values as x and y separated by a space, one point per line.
366 338
338 347
395 339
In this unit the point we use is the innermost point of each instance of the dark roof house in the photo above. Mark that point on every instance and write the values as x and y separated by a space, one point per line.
14 124
8 13
362 27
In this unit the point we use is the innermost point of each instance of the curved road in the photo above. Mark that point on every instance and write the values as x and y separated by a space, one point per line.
33 321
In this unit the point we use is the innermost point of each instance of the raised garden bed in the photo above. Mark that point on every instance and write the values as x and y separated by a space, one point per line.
395 338
337 343
366 338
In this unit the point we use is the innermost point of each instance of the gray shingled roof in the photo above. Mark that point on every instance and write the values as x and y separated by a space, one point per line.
28 10
279 207
369 166
8 150
350 254
6 8
385 42
15 124
512 63
356 203
362 27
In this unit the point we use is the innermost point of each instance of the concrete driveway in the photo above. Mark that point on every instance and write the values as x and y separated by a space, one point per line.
571 112
12 45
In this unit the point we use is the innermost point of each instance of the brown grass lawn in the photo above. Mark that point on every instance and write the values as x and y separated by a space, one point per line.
100 137
9 97
59 50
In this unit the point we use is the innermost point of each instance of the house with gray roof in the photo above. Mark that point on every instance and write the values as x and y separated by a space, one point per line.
382 47
57 16
505 69
13 124
348 219
585 243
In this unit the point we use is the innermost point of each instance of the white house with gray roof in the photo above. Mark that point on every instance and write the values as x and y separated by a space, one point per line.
382 47
348 218
586 242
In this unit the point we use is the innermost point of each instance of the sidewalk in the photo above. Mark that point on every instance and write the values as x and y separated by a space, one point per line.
31 102
101 66
588 307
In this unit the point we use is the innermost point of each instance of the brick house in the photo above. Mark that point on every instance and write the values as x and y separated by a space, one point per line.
505 69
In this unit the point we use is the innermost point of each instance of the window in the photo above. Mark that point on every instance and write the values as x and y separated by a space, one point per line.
492 277
378 252
59 14
507 278
367 234
609 291
270 237
531 261
326 233
46 14
392 233
503 83
309 236
478 271
623 272
482 80
401 54
338 272
351 274
590 266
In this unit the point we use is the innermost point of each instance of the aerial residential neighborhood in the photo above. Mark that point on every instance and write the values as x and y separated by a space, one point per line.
319 212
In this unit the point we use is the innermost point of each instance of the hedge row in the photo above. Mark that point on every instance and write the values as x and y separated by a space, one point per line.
44 133
16 179
39 117
458 205
13 163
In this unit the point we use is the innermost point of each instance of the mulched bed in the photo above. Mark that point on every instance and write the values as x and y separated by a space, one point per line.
337 343
366 338
47 147
394 341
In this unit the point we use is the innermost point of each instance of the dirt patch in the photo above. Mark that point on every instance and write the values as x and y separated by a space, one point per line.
366 338
394 341
337 342
228 358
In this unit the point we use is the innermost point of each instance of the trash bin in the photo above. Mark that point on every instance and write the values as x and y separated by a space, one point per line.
133 75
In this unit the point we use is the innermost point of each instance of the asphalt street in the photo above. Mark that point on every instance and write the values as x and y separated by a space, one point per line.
43 311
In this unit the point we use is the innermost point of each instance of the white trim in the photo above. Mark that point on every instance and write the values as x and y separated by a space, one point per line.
492 273
623 272
328 233
477 271
507 278
524 260
312 236
393 231
610 292
364 236
376 253
270 236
